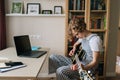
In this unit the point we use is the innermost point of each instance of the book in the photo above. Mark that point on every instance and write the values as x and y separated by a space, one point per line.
70 5
98 5
78 4
96 23
11 66
74 5
83 5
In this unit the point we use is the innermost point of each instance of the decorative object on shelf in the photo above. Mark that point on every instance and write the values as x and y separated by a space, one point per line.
46 11
17 7
33 8
57 9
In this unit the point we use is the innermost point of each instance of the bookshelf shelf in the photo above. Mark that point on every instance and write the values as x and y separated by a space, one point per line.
101 11
40 15
97 30
76 10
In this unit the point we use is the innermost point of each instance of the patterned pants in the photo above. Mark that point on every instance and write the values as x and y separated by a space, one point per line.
61 65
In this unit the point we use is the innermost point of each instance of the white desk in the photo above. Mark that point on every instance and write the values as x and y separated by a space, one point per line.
30 72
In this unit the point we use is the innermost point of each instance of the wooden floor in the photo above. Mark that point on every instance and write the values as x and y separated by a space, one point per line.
113 78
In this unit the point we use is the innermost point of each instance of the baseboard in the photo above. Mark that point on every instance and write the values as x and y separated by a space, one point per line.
111 74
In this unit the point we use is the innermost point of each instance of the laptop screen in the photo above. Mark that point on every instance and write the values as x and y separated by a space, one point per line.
22 44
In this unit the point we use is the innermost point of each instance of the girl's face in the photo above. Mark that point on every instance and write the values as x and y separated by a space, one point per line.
80 35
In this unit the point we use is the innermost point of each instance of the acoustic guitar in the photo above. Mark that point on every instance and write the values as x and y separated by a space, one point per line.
78 56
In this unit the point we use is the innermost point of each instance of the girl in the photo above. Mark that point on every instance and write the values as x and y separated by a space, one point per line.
90 43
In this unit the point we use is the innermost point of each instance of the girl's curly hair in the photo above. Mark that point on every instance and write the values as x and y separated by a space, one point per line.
80 26
76 24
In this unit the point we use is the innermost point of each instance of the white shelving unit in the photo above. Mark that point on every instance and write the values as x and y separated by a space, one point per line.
50 6
41 15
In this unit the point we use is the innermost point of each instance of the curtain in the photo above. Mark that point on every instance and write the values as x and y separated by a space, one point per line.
2 25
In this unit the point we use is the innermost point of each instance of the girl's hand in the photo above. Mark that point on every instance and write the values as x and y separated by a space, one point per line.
71 52
82 66
74 67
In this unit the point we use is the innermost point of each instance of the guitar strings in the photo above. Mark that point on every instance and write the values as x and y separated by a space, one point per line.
80 50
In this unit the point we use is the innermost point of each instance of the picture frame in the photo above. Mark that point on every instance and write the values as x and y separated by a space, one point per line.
46 11
17 7
57 9
33 8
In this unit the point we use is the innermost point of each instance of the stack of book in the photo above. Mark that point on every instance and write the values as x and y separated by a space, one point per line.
97 23
98 5
7 66
76 5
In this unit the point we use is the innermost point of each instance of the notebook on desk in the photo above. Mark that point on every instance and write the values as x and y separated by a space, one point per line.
23 47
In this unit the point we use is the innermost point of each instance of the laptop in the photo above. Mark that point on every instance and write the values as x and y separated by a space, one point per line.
23 47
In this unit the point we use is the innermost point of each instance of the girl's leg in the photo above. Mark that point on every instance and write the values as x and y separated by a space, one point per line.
65 73
56 61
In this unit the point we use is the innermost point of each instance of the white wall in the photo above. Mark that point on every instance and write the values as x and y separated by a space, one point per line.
50 29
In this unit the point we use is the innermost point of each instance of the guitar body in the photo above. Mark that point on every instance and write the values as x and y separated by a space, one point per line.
80 52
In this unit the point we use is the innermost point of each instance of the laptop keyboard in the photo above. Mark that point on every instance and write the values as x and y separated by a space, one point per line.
34 54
